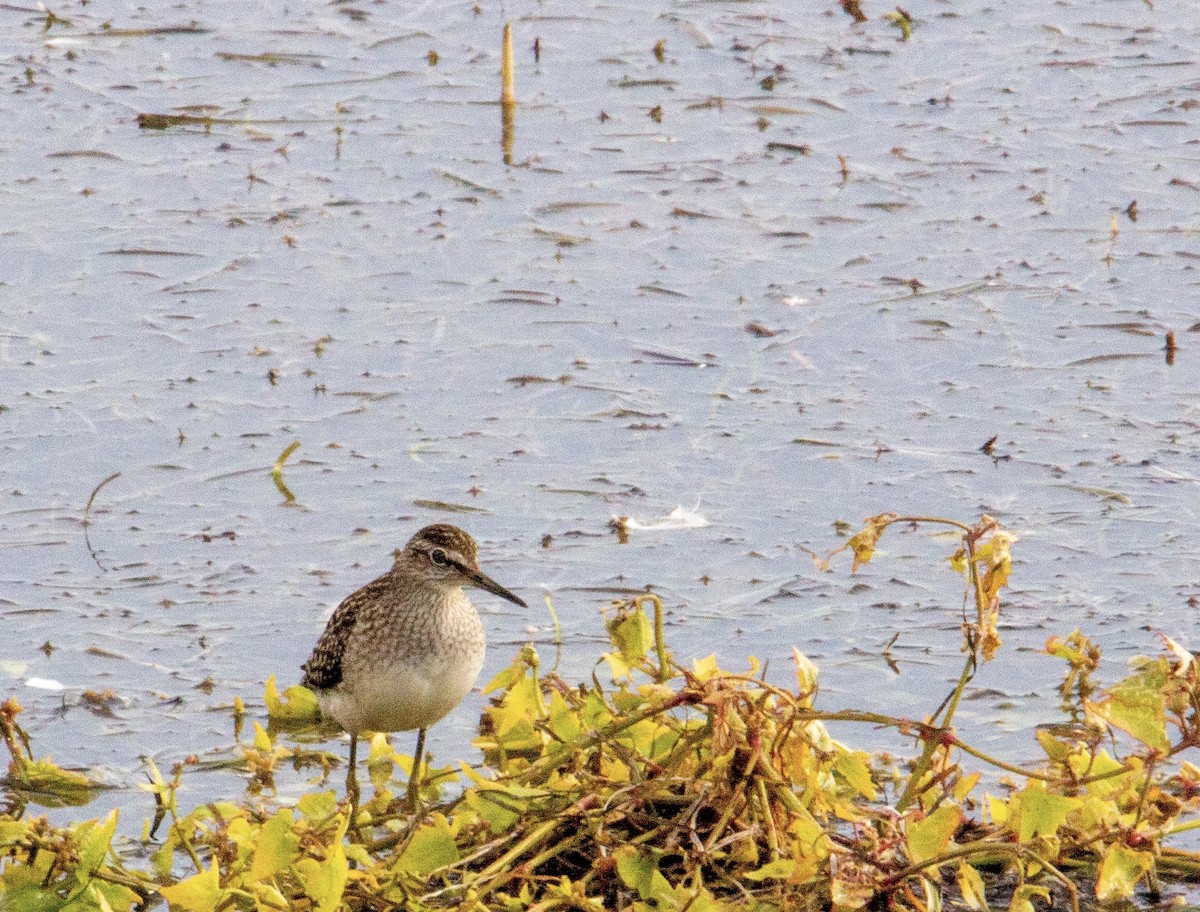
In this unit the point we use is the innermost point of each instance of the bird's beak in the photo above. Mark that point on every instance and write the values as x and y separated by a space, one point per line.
483 581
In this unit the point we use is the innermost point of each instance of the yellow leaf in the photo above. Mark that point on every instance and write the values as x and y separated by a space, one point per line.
495 807
563 721
631 634
990 644
811 838
1188 772
1056 750
267 896
1076 649
929 837
381 760
275 848
1120 871
966 784
970 885
318 806
199 893
1084 764
431 847
324 881
617 666
475 776
1022 895
519 709
779 869
1042 812
705 668
298 704
855 768
506 676
101 901
45 776
262 741
958 561
806 673
864 542
995 555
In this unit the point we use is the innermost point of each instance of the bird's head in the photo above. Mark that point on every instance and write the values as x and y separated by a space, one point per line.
448 555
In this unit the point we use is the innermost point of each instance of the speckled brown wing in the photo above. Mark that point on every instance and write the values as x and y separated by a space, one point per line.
323 669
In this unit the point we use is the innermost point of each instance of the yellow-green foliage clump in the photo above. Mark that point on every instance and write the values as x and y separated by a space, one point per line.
686 788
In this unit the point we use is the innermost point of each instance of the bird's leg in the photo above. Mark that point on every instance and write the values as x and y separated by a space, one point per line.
414 778
352 778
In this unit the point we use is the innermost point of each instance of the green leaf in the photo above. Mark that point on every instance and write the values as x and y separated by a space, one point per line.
1084 764
431 847
1120 871
275 848
929 837
632 635
12 831
199 893
595 713
21 889
1041 812
53 785
268 896
638 870
98 896
93 840
495 807
499 802
96 899
1136 706
1056 749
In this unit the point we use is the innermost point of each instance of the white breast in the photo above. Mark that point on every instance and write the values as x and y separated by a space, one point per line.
403 696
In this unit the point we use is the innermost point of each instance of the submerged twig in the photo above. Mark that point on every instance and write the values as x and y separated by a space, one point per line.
277 472
87 521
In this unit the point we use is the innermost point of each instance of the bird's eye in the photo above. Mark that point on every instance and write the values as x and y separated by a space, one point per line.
438 556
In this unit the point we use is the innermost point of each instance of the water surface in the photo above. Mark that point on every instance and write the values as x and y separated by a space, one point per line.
788 228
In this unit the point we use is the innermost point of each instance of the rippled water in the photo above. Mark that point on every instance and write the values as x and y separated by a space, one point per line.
796 272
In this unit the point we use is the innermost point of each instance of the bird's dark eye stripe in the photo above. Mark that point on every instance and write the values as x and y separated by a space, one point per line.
438 556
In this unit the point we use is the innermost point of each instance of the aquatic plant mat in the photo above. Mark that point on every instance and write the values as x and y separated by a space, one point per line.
665 787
